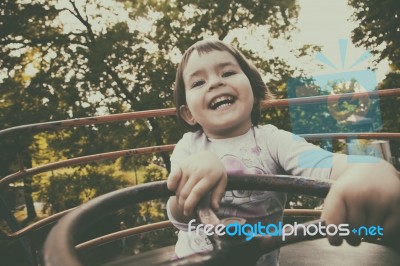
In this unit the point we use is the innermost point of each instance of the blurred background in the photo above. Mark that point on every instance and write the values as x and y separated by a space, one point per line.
66 59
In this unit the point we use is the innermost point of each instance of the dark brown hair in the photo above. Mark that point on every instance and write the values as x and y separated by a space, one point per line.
260 90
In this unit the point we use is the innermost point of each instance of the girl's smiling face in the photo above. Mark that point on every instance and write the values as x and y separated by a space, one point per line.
219 96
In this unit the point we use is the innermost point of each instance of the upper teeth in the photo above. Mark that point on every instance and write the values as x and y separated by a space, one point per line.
220 99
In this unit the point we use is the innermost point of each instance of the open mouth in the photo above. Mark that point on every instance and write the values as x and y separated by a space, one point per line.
221 102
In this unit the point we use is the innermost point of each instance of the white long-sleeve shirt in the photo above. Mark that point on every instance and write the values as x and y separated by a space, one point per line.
261 150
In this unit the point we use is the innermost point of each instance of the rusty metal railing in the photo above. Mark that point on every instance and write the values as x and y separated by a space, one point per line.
361 135
81 160
34 128
127 232
331 98
61 253
167 224
85 121
37 225
39 127
154 149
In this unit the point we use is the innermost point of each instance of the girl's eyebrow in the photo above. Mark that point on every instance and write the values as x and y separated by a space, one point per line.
220 65
224 64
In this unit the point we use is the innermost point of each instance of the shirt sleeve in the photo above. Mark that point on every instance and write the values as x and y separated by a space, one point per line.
296 156
177 224
181 151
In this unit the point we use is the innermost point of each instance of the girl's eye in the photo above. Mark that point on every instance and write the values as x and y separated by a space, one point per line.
228 74
197 83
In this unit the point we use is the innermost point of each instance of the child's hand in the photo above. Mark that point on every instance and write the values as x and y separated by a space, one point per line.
199 174
364 195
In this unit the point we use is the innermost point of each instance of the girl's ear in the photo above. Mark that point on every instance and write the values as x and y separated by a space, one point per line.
187 115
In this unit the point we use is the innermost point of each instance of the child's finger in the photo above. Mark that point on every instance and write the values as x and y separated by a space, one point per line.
197 192
181 192
181 197
174 178
376 215
218 192
185 188
391 227
356 217
334 212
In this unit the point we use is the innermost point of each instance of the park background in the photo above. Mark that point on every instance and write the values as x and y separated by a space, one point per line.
69 59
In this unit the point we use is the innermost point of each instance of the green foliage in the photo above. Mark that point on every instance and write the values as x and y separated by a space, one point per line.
104 64
101 63
154 172
378 27
389 105
153 210
184 22
378 30
150 212
67 189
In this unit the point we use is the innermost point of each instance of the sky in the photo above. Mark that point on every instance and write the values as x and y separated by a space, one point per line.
323 23
320 22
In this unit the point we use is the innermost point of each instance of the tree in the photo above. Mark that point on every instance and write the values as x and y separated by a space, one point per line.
378 27
19 98
104 64
98 62
378 30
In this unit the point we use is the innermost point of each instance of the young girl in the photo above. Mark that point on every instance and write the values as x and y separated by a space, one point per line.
217 95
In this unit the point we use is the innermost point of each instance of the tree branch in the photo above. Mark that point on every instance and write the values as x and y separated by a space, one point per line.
85 22
226 30
284 16
121 85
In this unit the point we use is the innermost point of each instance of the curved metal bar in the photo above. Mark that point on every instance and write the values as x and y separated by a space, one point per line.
59 246
124 153
38 127
80 160
302 212
166 224
124 233
325 98
282 183
30 228
383 135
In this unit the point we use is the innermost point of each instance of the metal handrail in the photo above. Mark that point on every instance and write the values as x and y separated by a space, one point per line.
85 121
38 127
59 247
330 98
167 224
171 111
123 233
350 135
80 160
147 150
37 225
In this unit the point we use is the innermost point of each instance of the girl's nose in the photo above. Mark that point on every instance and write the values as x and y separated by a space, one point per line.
215 82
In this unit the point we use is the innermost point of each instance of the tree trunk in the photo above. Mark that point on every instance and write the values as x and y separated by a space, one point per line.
30 208
159 141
